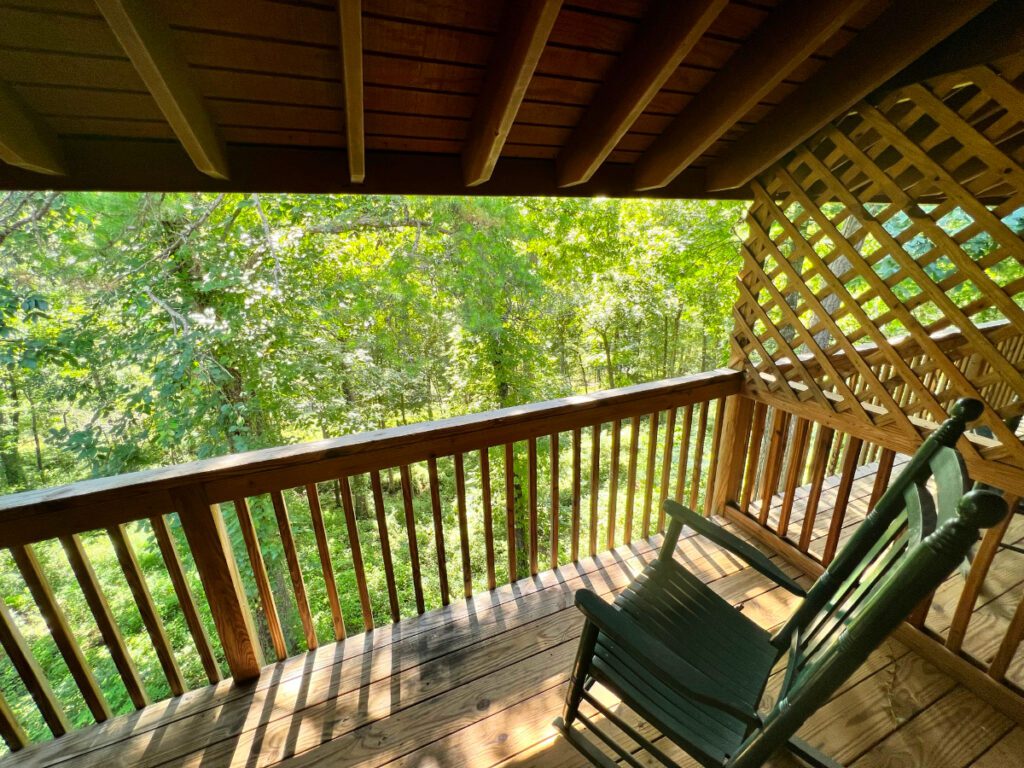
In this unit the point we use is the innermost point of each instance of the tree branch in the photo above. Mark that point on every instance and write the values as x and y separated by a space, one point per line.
33 217
269 237
177 318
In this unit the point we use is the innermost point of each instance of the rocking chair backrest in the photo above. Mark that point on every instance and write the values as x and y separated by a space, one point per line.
894 560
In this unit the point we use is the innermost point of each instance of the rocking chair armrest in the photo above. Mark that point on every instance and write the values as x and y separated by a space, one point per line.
753 557
652 654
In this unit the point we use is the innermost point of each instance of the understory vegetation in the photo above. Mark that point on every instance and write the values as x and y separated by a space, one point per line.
141 330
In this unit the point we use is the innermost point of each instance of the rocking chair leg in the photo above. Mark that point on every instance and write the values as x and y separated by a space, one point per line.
808 754
584 745
579 673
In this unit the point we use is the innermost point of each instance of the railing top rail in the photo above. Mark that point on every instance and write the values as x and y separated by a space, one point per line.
947 339
90 504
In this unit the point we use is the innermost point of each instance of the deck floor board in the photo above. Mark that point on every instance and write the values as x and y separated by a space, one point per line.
480 682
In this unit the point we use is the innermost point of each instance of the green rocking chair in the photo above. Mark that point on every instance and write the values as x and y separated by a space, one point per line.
695 668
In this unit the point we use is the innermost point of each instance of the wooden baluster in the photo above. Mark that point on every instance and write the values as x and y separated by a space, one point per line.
698 455
1008 647
211 551
822 448
460 496
109 631
634 450
716 448
259 570
652 458
410 529
531 472
32 572
435 507
11 731
30 674
577 457
613 482
595 480
732 426
753 455
510 511
666 464
186 601
798 449
684 454
885 462
326 564
835 456
118 535
357 554
291 556
485 486
554 447
976 578
385 544
773 463
842 498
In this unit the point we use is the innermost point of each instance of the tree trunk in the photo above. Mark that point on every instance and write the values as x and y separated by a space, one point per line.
36 438
606 343
664 348
10 431
583 371
674 362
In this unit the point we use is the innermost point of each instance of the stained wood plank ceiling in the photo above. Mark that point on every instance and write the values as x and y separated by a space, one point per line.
547 97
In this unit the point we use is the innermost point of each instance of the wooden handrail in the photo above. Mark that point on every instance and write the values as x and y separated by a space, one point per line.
90 504
950 342
908 346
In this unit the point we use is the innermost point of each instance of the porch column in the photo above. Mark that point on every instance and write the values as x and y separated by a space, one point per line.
211 549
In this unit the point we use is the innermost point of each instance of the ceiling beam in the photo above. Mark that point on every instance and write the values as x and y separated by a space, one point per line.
351 14
901 34
989 36
514 57
135 165
147 42
663 40
25 140
785 39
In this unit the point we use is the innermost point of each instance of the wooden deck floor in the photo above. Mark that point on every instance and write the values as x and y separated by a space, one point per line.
479 683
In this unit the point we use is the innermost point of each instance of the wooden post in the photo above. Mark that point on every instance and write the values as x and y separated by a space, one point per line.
739 412
211 550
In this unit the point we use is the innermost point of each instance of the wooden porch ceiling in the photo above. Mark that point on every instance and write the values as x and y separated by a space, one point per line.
543 97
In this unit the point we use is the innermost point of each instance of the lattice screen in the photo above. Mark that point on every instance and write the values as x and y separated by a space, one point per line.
884 265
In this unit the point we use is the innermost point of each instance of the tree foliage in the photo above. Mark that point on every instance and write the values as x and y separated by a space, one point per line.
144 330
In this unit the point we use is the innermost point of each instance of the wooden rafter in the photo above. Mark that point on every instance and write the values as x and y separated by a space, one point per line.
777 47
667 35
904 32
351 15
25 140
513 60
147 42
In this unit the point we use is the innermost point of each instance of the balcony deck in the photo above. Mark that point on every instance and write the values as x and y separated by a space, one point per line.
479 683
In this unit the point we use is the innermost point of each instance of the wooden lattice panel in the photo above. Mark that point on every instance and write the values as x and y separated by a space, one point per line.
884 266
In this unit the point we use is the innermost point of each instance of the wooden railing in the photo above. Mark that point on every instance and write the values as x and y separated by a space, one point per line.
381 525
801 486
994 458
